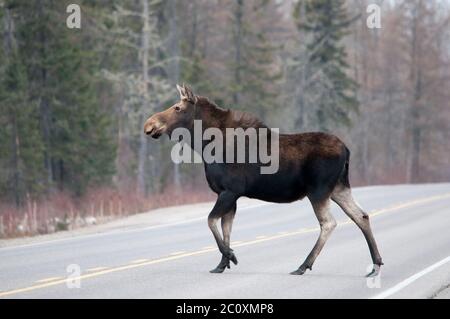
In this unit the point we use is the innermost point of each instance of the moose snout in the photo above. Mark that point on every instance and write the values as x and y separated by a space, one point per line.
148 127
153 128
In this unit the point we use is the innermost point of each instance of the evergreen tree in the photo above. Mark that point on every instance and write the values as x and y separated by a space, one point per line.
324 23
194 61
77 148
20 154
143 77
253 81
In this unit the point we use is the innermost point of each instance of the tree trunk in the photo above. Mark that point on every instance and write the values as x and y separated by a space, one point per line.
193 42
238 47
416 76
44 106
9 44
16 158
416 131
174 70
143 147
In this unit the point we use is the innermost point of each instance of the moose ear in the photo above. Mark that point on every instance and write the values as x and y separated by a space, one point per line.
187 94
182 92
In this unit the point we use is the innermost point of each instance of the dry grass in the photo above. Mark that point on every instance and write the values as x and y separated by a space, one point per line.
61 211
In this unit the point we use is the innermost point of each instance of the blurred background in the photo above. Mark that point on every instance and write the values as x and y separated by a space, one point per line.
73 101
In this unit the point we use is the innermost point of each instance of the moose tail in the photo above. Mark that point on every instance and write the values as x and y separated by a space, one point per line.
343 179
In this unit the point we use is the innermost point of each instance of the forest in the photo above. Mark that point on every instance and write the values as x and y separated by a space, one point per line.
73 101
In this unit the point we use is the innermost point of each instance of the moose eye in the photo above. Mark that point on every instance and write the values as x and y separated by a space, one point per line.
177 108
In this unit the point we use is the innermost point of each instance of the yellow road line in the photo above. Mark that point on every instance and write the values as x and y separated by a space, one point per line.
48 279
138 261
207 250
96 269
410 204
103 272
177 253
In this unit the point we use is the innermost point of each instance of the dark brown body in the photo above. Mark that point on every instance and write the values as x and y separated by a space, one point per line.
312 165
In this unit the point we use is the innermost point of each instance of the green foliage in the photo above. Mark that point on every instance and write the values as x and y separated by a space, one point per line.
19 131
253 85
49 94
324 23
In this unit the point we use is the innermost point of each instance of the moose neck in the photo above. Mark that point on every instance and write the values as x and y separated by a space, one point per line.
210 116
207 115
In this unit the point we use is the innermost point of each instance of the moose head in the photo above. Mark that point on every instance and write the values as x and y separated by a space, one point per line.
181 114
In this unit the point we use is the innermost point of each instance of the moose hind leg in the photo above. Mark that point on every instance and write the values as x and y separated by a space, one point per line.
225 209
343 197
227 224
327 225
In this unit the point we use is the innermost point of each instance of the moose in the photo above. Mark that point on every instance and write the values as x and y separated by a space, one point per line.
313 165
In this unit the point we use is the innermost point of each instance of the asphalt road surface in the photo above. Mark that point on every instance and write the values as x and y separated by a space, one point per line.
411 225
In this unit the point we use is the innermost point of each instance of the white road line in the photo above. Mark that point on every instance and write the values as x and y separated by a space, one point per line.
410 280
140 262
128 231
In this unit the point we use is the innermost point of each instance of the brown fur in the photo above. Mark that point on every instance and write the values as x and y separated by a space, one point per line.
313 165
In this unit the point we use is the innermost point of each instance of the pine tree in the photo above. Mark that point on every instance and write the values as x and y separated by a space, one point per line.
143 79
20 154
328 88
194 62
77 148
253 81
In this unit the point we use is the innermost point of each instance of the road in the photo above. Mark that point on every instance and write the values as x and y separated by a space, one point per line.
411 225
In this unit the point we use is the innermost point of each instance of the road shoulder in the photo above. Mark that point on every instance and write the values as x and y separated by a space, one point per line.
153 218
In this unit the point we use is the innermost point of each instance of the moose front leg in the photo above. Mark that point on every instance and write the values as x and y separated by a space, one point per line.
227 223
224 208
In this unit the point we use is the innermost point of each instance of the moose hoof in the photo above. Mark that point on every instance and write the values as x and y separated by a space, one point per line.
224 263
375 271
301 270
233 258
217 270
